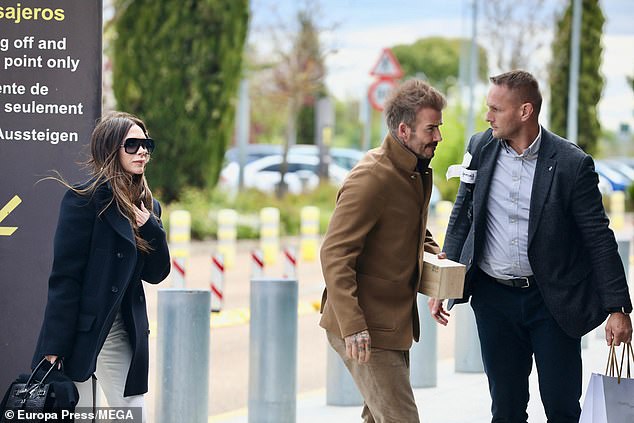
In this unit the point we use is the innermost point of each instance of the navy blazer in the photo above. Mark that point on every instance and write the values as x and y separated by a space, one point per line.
571 249
96 272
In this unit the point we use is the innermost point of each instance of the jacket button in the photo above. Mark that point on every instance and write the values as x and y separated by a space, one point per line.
114 289
148 331
141 298
119 255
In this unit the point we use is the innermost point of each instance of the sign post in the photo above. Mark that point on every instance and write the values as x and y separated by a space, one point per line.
50 98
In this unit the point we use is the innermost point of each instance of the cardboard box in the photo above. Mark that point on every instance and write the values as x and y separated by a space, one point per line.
442 278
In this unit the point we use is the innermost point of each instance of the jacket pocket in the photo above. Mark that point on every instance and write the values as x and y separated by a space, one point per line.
85 322
381 299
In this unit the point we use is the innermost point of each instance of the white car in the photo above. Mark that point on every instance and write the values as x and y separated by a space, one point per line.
264 174
344 157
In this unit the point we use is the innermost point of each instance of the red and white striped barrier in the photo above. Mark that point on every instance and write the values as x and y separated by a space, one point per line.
179 239
257 264
290 263
217 283
178 272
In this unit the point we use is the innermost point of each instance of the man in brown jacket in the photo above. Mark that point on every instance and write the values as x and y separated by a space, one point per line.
372 255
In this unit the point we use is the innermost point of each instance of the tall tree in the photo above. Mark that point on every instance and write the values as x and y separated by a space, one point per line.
177 65
590 79
309 44
298 71
516 48
438 58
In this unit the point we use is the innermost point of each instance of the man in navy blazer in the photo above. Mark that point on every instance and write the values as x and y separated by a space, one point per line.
543 267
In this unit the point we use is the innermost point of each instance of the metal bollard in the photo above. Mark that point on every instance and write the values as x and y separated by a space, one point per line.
423 356
270 234
179 238
443 211
467 347
340 387
183 356
617 211
624 252
309 230
273 351
227 235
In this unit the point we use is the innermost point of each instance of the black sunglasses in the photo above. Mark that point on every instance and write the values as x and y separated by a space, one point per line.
132 145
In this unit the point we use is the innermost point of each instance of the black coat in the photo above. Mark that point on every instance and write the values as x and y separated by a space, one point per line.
571 249
97 270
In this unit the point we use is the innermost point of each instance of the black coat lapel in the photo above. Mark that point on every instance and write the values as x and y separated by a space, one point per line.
103 198
544 172
119 223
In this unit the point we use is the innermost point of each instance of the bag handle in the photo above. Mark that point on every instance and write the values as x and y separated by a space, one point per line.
612 368
627 349
28 387
615 368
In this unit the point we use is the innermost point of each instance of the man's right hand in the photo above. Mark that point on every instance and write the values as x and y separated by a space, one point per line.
358 346
437 311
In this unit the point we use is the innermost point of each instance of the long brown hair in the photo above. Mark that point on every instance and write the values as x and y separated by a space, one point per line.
128 190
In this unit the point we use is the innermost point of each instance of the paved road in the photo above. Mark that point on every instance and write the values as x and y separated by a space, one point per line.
230 345
229 356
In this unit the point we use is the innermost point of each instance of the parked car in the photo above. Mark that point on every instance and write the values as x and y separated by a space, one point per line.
253 152
618 181
344 157
264 174
621 167
347 158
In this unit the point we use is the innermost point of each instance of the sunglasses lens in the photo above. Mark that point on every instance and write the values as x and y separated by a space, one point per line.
149 145
132 145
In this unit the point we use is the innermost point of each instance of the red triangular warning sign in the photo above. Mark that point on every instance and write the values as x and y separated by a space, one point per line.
387 66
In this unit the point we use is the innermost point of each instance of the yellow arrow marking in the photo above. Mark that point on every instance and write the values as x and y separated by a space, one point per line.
5 211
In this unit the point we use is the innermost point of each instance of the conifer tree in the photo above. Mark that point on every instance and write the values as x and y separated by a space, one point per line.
177 64
590 79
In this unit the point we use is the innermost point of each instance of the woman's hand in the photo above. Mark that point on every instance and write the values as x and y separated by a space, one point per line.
52 359
141 214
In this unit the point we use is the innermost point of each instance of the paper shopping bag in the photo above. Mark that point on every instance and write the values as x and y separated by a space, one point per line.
619 399
593 410
610 399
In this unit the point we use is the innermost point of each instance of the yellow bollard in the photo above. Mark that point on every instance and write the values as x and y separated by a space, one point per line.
617 211
443 211
179 239
227 236
309 231
270 234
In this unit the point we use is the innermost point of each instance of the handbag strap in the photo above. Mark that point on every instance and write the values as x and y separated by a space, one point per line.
27 386
94 396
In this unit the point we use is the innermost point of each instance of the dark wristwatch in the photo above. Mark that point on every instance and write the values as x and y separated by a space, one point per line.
619 310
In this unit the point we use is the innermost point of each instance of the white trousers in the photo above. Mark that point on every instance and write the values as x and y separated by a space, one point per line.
113 364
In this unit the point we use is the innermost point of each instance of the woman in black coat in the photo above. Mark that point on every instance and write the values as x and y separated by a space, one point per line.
109 238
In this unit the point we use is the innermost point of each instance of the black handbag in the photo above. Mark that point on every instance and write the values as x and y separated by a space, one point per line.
40 395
